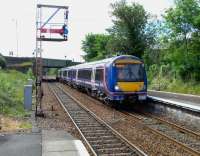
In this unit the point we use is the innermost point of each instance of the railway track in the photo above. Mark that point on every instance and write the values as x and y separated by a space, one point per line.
99 136
186 138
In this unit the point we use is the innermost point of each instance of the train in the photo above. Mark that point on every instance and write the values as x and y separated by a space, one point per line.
113 80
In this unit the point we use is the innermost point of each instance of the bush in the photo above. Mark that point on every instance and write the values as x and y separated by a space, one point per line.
167 78
11 92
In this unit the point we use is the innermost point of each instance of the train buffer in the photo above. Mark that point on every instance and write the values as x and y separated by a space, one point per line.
47 143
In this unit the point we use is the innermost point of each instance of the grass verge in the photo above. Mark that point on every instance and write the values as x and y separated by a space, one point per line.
175 85
11 92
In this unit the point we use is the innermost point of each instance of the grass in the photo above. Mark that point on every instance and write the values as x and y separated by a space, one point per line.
25 125
11 93
175 85
10 124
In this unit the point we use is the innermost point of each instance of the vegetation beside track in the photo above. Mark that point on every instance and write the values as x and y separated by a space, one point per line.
170 46
166 82
11 92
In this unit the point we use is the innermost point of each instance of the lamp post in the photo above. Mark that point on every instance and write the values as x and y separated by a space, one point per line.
17 39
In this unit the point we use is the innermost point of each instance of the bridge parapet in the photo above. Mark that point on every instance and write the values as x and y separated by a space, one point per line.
47 63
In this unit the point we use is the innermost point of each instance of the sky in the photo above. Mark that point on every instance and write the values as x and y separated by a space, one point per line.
85 16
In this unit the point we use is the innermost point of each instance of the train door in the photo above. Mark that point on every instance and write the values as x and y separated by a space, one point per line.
93 78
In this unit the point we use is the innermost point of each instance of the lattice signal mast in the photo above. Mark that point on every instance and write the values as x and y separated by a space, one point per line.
56 31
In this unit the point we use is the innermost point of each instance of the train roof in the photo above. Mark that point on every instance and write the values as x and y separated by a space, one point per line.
102 62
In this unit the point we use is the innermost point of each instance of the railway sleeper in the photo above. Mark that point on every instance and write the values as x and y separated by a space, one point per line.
65 100
92 128
114 145
80 116
88 125
85 131
71 110
96 134
107 141
114 150
85 121
120 154
92 138
78 112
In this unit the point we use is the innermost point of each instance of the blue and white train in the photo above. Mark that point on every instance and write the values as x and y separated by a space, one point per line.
117 79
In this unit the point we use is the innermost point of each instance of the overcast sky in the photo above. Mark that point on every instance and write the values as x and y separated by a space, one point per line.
85 16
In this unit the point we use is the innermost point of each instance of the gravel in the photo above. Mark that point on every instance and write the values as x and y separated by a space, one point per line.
55 117
150 143
179 117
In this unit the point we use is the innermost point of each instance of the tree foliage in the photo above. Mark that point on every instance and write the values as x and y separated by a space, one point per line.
126 36
170 47
184 49
95 46
129 23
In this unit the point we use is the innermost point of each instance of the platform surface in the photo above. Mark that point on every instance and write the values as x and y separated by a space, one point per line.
60 143
184 100
20 145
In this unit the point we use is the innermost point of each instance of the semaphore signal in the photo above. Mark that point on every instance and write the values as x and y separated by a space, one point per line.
51 32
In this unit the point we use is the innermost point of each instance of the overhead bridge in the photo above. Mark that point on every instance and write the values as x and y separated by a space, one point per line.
27 62
56 63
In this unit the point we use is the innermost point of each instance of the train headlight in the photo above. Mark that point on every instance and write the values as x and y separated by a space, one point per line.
117 88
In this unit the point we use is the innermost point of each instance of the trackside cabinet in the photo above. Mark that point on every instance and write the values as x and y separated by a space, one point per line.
28 97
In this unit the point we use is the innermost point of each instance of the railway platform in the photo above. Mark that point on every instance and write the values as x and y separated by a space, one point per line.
60 143
20 144
187 101
46 143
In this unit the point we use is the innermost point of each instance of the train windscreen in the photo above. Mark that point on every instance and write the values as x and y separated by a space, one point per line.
130 72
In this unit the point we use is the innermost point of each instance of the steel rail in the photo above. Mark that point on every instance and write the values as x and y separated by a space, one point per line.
119 136
178 127
61 103
101 121
139 119
189 149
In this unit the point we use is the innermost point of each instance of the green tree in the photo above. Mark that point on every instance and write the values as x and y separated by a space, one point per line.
95 46
128 31
183 19
183 52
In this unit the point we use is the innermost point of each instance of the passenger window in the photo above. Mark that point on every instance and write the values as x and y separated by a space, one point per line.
70 74
99 75
84 74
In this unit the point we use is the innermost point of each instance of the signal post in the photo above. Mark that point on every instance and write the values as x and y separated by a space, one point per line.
52 29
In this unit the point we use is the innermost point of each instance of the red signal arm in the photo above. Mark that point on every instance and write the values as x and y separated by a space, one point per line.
55 31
